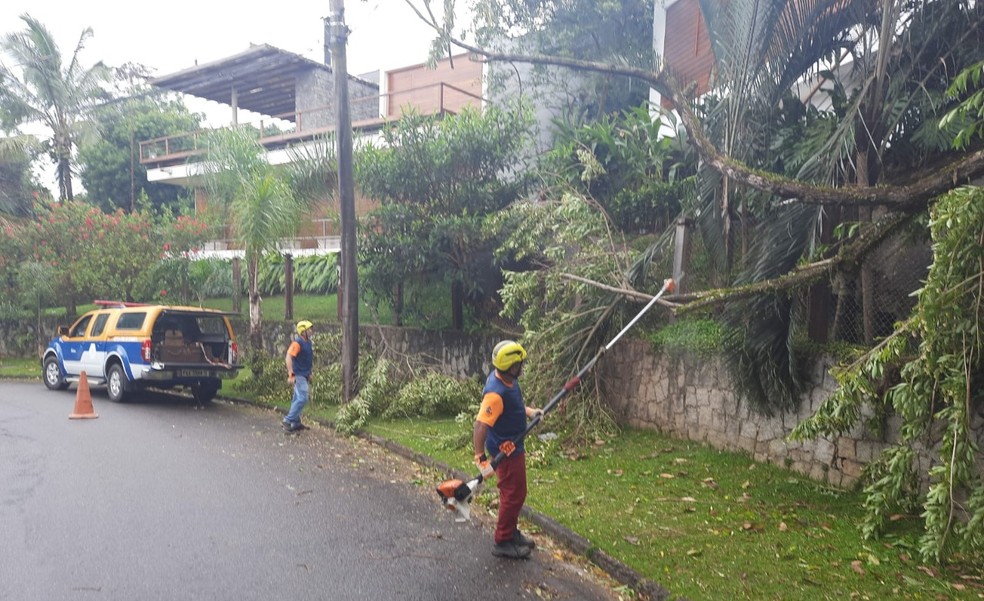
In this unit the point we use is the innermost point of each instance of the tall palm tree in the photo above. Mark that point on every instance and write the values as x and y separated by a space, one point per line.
39 87
258 202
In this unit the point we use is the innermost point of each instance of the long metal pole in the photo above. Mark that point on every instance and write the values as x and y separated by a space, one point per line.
349 294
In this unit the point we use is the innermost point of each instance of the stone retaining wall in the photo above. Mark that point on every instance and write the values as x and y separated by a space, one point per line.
693 398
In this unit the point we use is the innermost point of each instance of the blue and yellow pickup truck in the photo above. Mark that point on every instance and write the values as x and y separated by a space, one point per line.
130 346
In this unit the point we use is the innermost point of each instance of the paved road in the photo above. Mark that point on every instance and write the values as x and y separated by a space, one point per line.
158 500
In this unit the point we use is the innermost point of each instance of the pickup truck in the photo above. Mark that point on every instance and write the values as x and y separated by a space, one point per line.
128 347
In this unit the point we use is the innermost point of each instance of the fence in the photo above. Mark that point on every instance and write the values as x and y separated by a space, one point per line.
835 308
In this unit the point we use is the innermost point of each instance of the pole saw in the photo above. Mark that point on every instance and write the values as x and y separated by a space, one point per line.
457 495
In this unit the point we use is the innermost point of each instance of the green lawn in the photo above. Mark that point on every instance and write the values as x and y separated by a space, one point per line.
712 525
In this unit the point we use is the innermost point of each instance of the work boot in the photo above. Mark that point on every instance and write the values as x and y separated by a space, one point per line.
523 541
511 550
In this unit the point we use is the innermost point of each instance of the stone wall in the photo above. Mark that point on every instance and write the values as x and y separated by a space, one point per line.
458 354
693 398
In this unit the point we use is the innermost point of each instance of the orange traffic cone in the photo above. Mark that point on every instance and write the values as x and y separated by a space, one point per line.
83 401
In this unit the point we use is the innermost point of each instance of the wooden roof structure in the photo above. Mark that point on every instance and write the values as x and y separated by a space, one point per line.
262 79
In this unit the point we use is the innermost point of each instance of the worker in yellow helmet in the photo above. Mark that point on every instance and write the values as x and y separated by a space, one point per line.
300 364
501 419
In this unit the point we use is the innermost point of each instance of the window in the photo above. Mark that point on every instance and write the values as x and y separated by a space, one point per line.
212 325
78 330
100 324
131 321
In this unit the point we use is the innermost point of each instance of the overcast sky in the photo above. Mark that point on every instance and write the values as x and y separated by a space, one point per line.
171 36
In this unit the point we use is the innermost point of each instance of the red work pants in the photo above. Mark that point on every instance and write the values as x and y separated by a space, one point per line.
511 474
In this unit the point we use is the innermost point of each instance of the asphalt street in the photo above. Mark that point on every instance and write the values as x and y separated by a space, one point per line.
155 499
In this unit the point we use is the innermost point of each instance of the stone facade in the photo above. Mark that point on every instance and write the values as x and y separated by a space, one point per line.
693 398
315 99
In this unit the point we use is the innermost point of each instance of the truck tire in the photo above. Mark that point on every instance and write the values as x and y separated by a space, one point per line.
116 383
52 375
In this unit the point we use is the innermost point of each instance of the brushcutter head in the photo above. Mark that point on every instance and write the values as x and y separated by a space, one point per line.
457 497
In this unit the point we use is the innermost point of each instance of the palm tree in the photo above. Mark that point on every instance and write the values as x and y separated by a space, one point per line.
259 204
876 128
41 88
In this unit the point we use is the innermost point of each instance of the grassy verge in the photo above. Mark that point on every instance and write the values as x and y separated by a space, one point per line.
20 368
712 525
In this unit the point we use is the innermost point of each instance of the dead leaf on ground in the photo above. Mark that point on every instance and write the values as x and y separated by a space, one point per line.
688 500
693 552
680 460
896 517
710 483
783 527
632 540
927 570
667 476
856 566
746 485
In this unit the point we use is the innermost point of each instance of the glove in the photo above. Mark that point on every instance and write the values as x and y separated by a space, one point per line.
482 461
534 413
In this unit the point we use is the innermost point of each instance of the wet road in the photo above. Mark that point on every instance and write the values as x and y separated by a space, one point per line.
158 500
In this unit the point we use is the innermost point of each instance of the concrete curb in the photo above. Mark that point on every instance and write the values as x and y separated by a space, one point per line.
646 589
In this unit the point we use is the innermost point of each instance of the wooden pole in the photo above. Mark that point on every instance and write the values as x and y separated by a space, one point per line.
289 287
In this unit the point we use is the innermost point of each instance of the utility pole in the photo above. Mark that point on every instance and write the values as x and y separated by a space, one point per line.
349 280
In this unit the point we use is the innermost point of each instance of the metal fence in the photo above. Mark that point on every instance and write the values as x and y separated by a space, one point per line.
836 308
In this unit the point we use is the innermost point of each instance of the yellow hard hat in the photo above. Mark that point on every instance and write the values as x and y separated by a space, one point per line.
303 326
506 354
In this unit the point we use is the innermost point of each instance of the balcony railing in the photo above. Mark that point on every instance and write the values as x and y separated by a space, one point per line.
320 237
435 99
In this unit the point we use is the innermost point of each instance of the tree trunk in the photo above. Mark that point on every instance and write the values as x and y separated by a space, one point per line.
398 305
457 303
255 316
237 285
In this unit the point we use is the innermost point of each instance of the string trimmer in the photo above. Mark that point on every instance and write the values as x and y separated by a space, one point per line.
457 495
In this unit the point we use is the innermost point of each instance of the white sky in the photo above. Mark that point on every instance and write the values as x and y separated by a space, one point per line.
171 36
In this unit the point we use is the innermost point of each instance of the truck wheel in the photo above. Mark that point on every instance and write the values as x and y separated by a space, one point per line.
116 383
53 379
204 392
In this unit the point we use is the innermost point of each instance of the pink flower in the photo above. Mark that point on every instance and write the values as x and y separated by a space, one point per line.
163 292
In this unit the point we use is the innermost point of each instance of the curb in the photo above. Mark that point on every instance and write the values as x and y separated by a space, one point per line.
647 589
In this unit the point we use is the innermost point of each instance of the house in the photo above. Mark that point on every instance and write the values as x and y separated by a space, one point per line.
293 98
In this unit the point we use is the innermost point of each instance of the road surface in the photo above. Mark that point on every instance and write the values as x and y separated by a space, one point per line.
158 500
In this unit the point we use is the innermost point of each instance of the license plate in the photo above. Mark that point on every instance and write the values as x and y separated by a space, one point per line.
193 373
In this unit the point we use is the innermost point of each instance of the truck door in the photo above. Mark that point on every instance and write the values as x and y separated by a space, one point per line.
73 344
93 359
